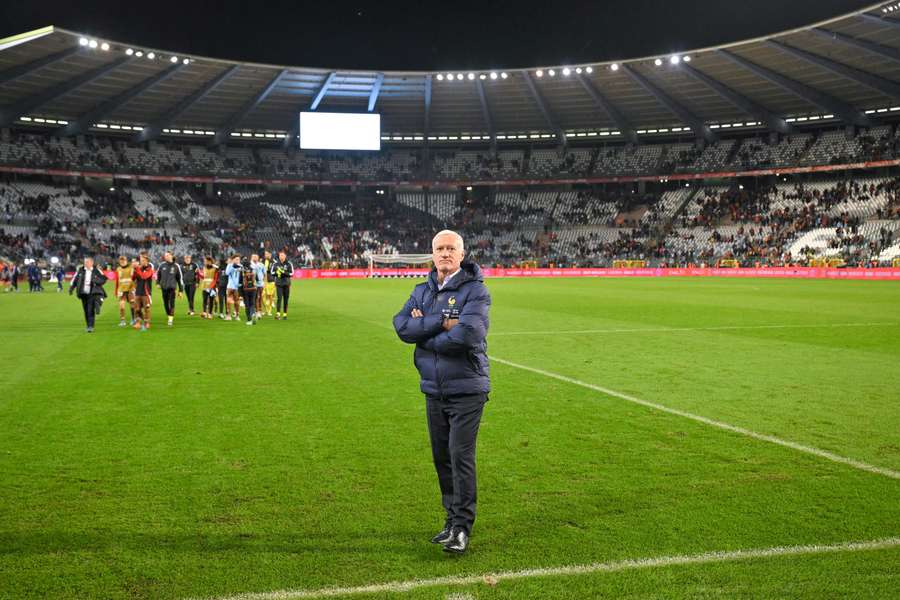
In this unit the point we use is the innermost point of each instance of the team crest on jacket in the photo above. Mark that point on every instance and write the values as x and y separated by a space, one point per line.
451 301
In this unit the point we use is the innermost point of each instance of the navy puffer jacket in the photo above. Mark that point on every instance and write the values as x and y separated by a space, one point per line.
450 363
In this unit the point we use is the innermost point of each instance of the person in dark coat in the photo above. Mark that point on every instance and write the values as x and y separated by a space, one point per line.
88 282
446 317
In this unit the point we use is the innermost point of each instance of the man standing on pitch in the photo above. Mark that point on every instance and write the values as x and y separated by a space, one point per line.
283 272
190 271
447 319
169 277
88 282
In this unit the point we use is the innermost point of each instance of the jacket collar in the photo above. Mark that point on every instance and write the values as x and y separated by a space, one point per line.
468 271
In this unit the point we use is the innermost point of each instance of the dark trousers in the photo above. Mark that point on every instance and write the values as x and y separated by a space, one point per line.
189 291
453 428
89 304
283 295
250 303
222 299
208 302
169 301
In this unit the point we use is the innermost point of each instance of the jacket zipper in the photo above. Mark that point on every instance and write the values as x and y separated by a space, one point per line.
437 374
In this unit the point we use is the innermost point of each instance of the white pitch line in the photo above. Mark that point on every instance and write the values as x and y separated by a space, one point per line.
711 422
564 571
678 329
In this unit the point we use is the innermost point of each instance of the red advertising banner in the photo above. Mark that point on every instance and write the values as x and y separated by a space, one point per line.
881 274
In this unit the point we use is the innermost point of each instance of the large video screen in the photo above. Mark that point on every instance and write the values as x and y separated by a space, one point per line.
340 131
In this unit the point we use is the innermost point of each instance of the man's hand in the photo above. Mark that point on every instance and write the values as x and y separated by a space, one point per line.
416 314
449 324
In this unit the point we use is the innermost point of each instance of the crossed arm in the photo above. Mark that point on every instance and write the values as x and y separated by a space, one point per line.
445 336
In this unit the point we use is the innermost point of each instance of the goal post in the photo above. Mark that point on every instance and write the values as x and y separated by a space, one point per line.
629 264
398 260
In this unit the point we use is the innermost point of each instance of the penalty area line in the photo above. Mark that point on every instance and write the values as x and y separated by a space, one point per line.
711 422
571 570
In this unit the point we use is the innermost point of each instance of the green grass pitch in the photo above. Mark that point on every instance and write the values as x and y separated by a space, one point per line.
213 459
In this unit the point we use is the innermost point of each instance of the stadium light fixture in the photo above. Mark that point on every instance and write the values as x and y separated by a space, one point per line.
459 76
104 46
82 41
186 61
482 77
139 54
589 70
675 59
493 75
686 59
440 76
129 52
566 71
174 59
658 62
449 76
151 55
578 70
92 44
551 73
471 76
539 73
614 67
503 75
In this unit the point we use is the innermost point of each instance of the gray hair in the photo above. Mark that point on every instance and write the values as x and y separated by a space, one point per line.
458 239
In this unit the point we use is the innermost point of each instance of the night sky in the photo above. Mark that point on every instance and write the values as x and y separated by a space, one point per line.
427 35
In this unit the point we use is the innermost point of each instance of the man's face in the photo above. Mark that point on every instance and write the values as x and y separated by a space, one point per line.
282 256
123 262
89 263
236 261
446 255
268 255
144 261
167 257
254 258
187 260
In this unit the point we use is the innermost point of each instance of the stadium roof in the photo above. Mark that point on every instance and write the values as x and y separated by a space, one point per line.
845 69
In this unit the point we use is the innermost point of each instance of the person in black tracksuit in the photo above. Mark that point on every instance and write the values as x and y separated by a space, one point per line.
283 271
191 275
170 279
222 293
88 282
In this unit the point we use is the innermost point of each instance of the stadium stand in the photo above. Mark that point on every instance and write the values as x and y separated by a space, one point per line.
778 220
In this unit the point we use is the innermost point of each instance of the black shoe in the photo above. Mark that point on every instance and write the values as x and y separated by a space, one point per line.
444 536
459 541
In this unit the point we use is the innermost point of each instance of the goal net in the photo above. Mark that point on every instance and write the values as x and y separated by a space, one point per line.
397 261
